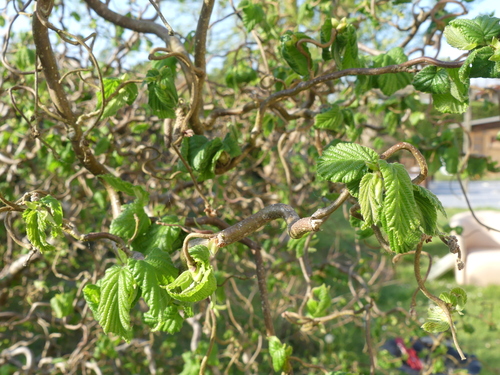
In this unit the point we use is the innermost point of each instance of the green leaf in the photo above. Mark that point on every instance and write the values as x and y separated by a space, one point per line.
332 119
55 208
162 92
468 34
346 162
118 291
126 95
125 224
450 155
479 65
399 211
435 327
157 269
92 294
457 100
430 197
159 236
320 301
427 214
345 48
291 54
195 285
279 354
433 80
62 304
391 122
240 74
170 321
371 191
36 224
251 14
324 37
390 83
126 187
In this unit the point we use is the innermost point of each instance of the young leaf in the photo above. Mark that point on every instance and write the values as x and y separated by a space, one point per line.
320 302
159 236
479 65
331 120
149 274
118 291
279 354
195 285
292 55
62 304
36 223
371 191
55 208
92 294
390 83
252 14
435 327
468 34
324 37
433 80
399 209
126 187
346 162
126 95
162 92
430 197
170 321
345 48
133 220
240 74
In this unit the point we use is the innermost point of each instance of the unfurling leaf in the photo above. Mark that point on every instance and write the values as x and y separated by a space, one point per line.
400 217
320 302
292 55
279 354
371 191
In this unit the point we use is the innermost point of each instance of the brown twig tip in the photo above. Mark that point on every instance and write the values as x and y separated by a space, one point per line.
422 164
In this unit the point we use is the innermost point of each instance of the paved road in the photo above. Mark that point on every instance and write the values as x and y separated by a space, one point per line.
482 194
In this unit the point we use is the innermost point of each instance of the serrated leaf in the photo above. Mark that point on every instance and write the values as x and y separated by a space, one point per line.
162 93
62 304
124 225
159 236
195 285
157 269
332 119
468 34
55 208
345 48
186 289
202 154
126 95
427 213
251 15
36 224
433 80
390 83
320 302
399 207
92 294
170 321
345 162
118 291
371 190
430 197
457 100
479 65
435 327
292 55
279 353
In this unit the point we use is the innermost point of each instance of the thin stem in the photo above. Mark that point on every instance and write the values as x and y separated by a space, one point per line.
262 283
441 304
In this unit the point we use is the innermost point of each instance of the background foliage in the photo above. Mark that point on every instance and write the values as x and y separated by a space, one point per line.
122 140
